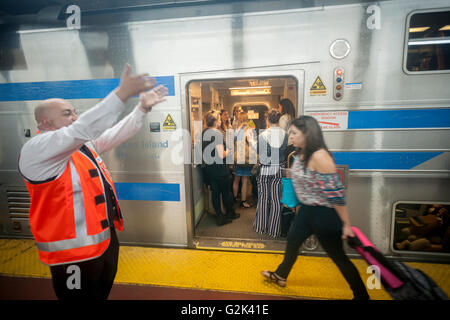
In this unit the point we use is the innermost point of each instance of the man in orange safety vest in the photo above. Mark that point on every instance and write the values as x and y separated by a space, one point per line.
74 209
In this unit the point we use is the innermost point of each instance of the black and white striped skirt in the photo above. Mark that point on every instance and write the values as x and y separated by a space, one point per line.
268 209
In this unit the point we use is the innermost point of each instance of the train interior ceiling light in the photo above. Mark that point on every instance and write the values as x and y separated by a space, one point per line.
248 91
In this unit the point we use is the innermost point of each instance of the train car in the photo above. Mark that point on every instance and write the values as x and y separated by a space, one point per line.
374 74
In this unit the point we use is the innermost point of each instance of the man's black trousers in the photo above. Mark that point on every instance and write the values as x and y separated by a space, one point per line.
92 279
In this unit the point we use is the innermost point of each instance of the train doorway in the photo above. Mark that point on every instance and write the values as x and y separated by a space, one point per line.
253 95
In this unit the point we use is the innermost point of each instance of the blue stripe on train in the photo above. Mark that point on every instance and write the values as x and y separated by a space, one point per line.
71 89
406 118
383 160
354 160
148 191
99 88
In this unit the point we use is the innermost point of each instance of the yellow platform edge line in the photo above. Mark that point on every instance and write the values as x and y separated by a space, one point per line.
240 272
226 270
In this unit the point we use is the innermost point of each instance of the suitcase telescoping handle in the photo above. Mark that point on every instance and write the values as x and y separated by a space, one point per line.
354 242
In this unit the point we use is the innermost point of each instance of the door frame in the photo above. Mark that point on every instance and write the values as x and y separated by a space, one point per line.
296 71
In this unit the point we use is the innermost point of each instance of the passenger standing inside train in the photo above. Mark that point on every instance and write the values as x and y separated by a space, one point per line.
323 211
234 119
225 127
225 122
245 144
217 171
287 110
74 210
268 209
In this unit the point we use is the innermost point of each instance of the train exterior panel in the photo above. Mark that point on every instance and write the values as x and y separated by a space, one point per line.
389 128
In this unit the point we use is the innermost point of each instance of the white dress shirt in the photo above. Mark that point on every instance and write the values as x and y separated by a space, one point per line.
47 154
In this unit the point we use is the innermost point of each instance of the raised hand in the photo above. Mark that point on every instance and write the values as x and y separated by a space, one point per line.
150 98
133 85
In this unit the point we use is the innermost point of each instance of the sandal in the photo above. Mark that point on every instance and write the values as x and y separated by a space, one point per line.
244 204
272 276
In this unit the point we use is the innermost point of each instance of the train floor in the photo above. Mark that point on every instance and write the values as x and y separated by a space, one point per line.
172 273
241 228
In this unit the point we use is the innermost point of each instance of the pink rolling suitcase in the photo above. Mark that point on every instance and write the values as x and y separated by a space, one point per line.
401 281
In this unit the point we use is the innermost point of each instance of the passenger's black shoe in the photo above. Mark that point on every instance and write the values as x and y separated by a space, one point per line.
222 220
233 215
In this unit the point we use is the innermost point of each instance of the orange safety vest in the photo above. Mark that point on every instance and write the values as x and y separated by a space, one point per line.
73 226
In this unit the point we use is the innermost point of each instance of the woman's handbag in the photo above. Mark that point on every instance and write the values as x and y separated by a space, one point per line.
289 197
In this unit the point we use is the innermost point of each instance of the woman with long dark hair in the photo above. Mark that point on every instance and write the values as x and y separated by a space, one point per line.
225 122
323 210
287 110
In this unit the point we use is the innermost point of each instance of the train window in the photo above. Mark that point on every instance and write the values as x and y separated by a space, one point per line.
422 227
428 46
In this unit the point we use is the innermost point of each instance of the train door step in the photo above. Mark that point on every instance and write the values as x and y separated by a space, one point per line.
249 245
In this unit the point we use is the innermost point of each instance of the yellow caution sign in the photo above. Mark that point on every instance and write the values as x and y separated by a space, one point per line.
318 88
169 124
251 124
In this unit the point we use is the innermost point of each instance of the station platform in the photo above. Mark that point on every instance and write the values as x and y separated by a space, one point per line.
209 272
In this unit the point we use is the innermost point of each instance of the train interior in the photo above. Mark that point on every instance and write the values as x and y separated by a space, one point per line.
255 96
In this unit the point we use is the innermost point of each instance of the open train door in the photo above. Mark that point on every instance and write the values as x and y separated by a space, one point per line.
204 91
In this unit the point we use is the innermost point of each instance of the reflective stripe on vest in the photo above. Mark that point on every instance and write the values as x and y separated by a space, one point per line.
73 243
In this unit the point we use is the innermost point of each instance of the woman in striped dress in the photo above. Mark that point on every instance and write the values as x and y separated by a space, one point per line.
268 209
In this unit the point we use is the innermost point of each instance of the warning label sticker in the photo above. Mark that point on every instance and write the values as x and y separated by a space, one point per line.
333 120
318 88
169 124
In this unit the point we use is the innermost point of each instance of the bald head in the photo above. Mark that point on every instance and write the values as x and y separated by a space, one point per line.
43 110
53 114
